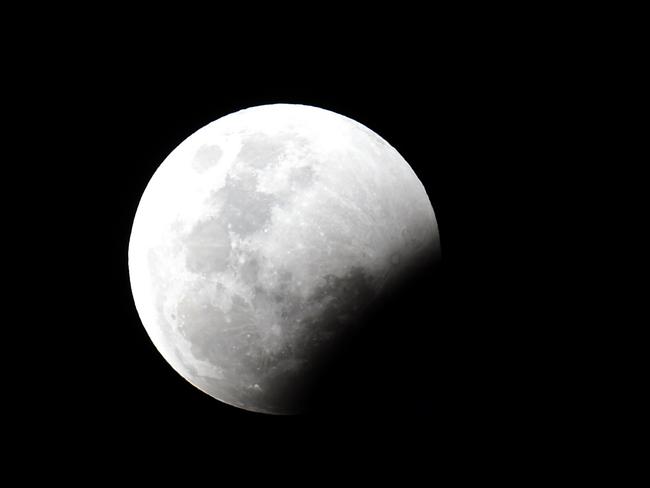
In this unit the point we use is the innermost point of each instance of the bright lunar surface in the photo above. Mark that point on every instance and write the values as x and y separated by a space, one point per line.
259 241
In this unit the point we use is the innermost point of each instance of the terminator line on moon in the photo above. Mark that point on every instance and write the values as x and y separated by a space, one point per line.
261 238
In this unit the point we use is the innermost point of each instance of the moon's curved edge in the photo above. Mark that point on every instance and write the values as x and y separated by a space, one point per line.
436 242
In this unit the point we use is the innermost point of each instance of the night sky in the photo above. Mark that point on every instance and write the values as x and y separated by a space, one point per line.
429 360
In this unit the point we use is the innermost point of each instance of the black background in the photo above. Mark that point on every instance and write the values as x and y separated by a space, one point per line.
497 109
432 362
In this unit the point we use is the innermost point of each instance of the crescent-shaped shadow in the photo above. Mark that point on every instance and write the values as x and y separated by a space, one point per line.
393 358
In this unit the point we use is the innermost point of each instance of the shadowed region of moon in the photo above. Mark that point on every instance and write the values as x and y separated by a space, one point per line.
387 364
265 242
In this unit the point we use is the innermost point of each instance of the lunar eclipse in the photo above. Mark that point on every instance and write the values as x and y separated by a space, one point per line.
262 240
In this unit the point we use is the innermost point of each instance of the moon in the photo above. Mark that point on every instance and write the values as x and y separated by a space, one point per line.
261 239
